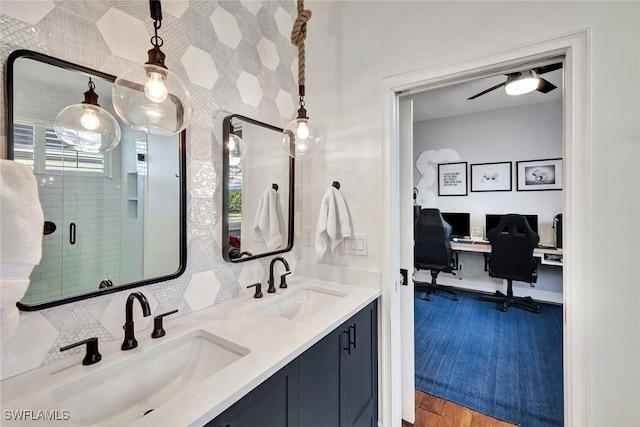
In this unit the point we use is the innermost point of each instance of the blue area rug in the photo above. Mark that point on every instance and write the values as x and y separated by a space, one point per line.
506 365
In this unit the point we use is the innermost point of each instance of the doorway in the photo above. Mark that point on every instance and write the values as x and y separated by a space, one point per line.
493 131
577 283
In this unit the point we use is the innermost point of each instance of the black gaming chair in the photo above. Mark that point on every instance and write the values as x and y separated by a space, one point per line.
432 250
512 244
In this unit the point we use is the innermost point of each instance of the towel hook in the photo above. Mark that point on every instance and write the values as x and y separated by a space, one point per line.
336 184
275 186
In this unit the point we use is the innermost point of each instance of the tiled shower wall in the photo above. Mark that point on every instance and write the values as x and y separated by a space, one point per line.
233 56
92 201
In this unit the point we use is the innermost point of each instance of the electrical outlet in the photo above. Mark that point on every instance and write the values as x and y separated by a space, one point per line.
308 236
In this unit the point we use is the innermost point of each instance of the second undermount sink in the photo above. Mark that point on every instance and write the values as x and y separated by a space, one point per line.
129 389
302 303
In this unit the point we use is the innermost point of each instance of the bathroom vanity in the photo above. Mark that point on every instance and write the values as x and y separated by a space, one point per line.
334 383
304 356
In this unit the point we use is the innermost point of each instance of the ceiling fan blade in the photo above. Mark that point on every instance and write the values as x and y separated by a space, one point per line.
545 86
487 91
548 68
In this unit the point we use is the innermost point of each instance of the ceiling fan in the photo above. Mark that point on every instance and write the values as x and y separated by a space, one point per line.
525 81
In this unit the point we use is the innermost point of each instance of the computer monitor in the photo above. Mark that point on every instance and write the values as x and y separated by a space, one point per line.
459 223
492 220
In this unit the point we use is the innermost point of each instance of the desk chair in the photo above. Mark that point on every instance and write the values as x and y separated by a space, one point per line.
432 250
511 258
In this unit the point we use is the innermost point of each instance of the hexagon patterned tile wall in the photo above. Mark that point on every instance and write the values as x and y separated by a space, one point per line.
233 56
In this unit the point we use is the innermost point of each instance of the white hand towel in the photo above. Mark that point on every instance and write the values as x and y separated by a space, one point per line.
21 228
334 222
269 221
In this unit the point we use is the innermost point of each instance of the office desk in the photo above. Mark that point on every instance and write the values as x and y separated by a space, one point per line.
547 256
474 276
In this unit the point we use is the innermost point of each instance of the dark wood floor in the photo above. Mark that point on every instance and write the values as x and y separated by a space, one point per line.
432 411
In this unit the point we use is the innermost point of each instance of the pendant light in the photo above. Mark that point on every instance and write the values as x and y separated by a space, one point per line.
86 126
301 137
149 97
237 148
521 83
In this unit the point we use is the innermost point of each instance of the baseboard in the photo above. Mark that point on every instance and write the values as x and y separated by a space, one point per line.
488 287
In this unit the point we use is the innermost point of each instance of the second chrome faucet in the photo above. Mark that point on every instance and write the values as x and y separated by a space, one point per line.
130 341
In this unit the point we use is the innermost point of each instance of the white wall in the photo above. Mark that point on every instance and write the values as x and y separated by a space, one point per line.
229 74
529 132
352 46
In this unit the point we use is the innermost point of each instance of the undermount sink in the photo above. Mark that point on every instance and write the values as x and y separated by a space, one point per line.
302 303
127 390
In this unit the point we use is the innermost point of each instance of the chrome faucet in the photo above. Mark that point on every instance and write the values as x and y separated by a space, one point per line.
283 283
130 341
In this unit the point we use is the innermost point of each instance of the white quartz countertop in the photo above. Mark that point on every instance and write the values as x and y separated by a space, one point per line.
272 342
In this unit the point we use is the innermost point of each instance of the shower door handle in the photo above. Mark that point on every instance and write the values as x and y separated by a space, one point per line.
72 233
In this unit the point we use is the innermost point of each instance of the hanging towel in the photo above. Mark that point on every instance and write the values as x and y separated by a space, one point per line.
269 222
21 230
334 222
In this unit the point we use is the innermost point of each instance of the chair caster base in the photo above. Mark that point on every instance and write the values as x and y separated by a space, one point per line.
507 300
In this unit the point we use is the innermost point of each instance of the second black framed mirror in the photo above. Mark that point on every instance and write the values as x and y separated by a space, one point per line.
258 190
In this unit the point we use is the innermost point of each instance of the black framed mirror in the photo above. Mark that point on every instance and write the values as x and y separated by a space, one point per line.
258 190
113 221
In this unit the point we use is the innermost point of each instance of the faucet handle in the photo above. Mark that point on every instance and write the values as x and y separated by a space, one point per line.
158 329
283 279
258 286
92 355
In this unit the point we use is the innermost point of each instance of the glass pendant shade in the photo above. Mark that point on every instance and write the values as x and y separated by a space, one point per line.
237 150
87 128
301 138
523 83
153 100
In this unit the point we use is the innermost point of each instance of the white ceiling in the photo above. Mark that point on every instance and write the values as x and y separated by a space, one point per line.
452 100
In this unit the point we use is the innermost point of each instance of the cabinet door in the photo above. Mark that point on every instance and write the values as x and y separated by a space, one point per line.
360 373
272 404
319 372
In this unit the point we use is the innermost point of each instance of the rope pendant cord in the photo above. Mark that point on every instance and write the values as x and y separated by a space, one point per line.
298 36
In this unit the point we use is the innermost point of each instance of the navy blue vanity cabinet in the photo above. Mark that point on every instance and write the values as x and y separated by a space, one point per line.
320 386
360 368
338 376
274 403
333 384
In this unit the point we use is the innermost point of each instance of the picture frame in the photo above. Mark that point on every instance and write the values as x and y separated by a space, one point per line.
539 175
495 176
452 179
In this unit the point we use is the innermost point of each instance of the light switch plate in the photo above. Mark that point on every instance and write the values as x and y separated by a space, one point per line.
355 245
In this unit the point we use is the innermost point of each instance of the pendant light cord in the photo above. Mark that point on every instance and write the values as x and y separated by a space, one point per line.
298 36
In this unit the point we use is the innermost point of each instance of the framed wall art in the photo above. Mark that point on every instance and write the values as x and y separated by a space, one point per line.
452 179
537 175
491 177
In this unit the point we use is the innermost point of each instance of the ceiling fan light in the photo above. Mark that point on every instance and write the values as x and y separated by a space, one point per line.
522 83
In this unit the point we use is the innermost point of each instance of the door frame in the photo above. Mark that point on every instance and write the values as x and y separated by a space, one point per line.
575 48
